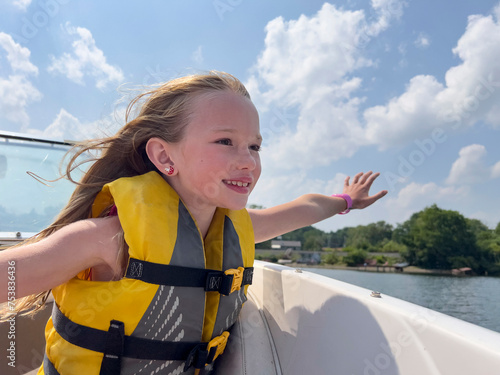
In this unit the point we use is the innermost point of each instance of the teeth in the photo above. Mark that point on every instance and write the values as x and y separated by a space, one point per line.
237 183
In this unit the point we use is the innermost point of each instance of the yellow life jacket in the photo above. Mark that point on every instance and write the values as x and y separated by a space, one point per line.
95 324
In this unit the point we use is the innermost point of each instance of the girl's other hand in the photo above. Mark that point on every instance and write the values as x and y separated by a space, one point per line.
359 189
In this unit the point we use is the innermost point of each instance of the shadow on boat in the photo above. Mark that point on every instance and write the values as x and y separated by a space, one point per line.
285 329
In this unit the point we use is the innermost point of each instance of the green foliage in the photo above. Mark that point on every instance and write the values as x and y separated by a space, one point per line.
355 257
369 237
338 238
392 246
330 258
313 243
381 259
431 238
489 240
263 245
300 234
255 206
442 239
267 257
476 226
349 249
488 243
312 239
463 261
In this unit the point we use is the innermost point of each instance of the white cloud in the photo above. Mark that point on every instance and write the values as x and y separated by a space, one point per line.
406 117
16 92
85 60
67 127
387 11
21 4
299 55
470 93
325 132
470 167
415 197
270 190
16 89
17 56
495 170
308 65
197 56
422 41
402 49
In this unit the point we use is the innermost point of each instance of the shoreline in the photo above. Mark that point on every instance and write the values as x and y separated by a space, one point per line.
410 270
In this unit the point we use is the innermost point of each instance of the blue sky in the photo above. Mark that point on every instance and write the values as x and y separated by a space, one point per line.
407 88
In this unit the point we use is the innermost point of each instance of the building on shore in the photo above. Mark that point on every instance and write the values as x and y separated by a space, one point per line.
285 245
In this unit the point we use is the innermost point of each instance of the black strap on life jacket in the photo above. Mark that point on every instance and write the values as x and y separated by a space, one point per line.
223 282
115 345
48 367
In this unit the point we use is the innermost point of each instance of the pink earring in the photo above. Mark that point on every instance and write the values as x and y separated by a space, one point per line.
169 170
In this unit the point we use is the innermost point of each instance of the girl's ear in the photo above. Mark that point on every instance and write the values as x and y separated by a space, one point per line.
158 152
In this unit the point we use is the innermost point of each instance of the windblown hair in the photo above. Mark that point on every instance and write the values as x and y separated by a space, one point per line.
165 112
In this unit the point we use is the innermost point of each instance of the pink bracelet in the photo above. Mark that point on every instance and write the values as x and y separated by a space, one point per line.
347 199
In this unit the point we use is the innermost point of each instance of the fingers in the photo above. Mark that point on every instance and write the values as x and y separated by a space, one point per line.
365 178
356 178
372 178
379 195
374 198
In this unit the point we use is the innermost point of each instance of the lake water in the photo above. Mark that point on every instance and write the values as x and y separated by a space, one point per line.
473 299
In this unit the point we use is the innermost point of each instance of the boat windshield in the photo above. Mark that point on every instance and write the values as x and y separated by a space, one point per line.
27 205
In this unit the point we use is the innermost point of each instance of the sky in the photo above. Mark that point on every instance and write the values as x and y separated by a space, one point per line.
410 89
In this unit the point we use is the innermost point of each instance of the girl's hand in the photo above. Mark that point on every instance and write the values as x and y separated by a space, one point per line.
360 188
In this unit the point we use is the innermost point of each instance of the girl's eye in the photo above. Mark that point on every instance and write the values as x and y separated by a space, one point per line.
225 142
256 147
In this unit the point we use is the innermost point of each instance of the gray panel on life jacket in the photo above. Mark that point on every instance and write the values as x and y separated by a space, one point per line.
188 251
175 313
229 306
164 320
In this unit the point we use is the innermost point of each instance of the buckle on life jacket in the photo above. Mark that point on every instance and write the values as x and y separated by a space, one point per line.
202 355
219 344
237 280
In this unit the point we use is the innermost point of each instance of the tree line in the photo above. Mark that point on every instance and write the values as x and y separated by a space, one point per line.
433 238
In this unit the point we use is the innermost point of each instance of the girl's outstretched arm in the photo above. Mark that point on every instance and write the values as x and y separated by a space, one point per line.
42 265
312 208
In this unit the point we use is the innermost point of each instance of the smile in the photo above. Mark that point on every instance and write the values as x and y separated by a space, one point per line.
237 183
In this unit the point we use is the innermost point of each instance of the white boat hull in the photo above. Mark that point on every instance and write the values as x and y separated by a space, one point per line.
303 323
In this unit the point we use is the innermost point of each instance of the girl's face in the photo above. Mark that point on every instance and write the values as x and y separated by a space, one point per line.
217 161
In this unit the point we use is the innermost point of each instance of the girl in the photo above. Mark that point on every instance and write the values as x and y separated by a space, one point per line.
150 260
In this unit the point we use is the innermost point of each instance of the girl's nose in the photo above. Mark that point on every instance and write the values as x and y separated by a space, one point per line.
247 159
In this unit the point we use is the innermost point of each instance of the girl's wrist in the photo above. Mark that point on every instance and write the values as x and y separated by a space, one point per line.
348 201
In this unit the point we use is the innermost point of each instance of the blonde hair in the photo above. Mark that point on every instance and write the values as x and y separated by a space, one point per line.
164 113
